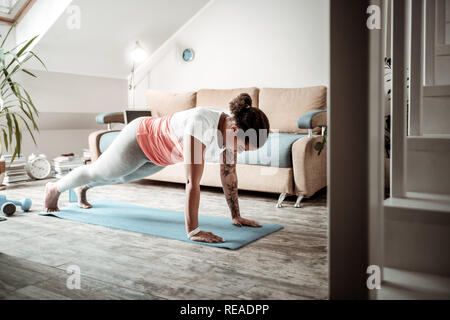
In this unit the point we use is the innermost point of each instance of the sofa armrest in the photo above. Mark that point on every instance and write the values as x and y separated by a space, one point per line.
310 169
313 119
94 143
110 117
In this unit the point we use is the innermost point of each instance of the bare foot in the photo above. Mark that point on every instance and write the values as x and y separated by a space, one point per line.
51 197
82 200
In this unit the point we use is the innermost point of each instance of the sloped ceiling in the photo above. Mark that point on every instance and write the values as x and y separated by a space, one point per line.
109 29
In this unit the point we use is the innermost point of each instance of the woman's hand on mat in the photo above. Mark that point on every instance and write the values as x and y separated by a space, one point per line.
239 221
205 236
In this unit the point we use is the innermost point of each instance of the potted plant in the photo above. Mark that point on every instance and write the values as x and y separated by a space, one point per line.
320 145
387 121
17 110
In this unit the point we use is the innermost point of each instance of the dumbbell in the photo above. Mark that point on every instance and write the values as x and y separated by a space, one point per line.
8 207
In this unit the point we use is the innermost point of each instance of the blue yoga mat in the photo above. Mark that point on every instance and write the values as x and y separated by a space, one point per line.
161 223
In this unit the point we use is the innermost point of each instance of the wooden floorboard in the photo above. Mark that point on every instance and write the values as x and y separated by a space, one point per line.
116 264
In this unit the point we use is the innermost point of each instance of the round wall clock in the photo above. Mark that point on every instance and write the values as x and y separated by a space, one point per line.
188 55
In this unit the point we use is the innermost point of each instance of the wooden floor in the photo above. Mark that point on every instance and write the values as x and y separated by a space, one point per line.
36 251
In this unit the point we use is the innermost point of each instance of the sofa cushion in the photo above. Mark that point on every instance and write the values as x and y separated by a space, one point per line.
284 106
165 103
276 152
221 98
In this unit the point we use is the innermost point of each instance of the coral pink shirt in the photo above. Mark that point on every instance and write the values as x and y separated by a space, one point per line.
158 141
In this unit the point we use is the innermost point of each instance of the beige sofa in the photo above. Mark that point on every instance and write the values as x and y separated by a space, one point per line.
295 116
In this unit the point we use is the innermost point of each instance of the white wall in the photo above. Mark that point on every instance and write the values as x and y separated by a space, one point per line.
52 143
263 43
39 18
68 105
64 92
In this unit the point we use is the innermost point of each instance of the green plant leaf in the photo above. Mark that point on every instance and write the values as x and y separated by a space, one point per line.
18 136
29 103
12 50
43 64
28 128
16 57
10 128
2 56
5 138
21 51
7 35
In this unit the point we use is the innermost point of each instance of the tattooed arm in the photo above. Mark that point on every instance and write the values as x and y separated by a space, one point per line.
230 183
229 180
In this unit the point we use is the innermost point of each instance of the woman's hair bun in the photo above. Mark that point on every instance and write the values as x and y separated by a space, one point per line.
240 103
246 118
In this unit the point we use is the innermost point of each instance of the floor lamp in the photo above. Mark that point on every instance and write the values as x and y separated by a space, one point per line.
138 55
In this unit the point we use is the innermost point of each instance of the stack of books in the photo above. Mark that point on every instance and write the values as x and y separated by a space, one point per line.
64 164
16 171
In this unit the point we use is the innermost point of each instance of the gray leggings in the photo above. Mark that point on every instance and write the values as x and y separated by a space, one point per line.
123 161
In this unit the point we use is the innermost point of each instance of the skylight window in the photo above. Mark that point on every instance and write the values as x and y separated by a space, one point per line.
6 6
11 10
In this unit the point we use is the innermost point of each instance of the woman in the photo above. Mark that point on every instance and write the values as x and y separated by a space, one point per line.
148 144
